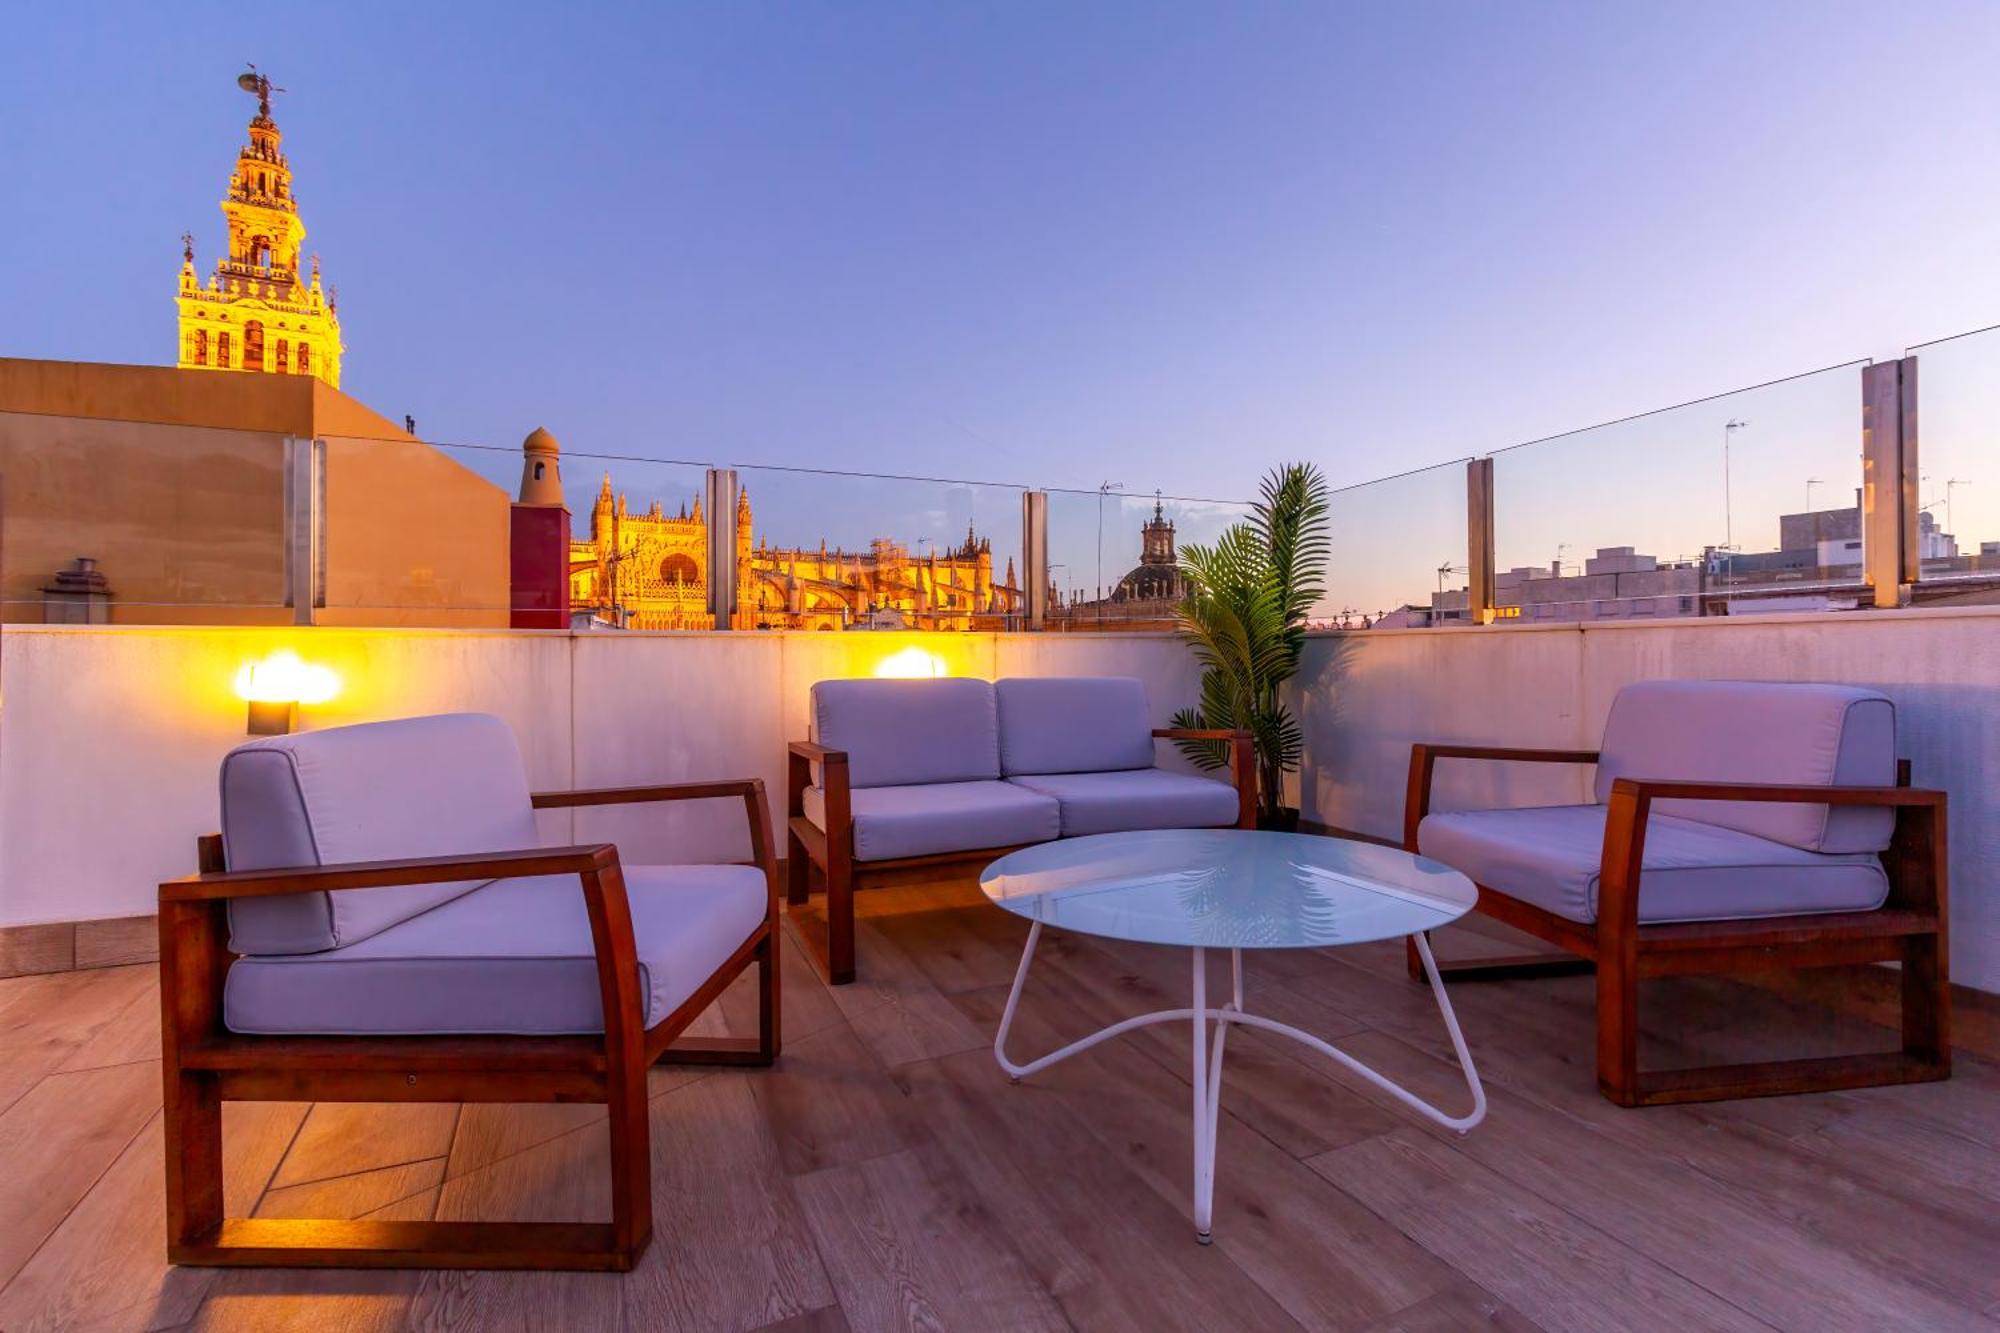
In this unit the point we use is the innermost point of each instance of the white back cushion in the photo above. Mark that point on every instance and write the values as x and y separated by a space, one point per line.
420 786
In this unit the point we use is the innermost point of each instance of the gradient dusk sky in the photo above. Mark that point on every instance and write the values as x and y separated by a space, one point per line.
1167 244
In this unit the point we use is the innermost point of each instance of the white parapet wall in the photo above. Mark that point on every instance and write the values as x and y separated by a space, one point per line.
1365 697
110 737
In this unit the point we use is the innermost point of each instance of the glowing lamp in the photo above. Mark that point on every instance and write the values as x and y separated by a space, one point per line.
275 687
911 664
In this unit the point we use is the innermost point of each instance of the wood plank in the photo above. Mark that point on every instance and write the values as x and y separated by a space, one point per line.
1555 1269
909 1245
1326 1260
32 950
132 1034
894 1008
341 1139
828 1102
58 1140
564 1179
1653 1203
1091 1230
118 941
731 1249
47 1018
106 1266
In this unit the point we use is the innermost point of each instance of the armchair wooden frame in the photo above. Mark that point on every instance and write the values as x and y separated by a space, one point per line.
206 1065
825 858
1910 928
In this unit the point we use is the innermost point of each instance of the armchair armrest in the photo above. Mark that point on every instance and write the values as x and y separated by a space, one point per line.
1651 789
756 808
801 756
1423 760
216 886
661 791
1919 835
1242 763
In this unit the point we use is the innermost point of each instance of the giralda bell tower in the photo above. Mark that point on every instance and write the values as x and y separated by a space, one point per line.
256 314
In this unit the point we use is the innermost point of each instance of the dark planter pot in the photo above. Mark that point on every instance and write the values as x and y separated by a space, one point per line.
1286 820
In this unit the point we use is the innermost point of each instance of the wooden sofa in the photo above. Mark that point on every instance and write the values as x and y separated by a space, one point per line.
907 779
1739 826
377 922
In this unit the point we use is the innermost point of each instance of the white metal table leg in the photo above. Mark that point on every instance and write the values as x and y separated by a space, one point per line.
1207 1066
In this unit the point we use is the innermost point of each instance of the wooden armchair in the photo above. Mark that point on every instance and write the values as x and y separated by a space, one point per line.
1904 922
330 1037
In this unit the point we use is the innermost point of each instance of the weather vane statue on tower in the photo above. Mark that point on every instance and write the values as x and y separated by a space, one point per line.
260 84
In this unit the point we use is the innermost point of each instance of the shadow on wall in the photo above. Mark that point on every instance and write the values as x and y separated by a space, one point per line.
1319 703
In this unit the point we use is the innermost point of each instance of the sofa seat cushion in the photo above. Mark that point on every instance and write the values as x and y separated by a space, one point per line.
1073 724
1140 798
894 822
512 957
1551 856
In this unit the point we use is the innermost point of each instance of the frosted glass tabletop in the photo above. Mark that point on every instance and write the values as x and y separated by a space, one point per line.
1228 888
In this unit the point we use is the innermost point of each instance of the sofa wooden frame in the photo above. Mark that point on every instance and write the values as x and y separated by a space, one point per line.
206 1065
825 858
1909 928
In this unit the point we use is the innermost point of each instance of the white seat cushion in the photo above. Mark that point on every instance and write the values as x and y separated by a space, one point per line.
512 957
1551 856
1141 798
928 819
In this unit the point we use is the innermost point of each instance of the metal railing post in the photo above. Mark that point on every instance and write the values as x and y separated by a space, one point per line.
1479 540
305 535
722 542
1035 555
1889 476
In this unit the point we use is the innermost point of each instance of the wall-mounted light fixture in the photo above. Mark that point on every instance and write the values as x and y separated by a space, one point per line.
912 663
275 687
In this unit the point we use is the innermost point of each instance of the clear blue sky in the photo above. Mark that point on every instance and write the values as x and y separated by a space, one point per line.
1165 244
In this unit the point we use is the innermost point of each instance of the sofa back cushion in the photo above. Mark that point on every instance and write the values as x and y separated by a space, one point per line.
898 733
1759 731
1073 724
420 786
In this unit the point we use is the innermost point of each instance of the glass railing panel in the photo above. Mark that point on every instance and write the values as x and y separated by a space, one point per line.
1397 552
416 533
137 523
1114 556
823 550
1741 503
1958 454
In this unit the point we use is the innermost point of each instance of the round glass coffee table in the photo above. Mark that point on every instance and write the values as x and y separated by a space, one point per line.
1231 889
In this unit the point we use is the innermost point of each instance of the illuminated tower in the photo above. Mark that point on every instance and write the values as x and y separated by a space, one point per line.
256 313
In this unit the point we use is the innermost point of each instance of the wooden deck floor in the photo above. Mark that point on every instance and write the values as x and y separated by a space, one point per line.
887 1176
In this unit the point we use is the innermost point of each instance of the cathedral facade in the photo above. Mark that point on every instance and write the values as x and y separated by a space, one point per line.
649 570
256 313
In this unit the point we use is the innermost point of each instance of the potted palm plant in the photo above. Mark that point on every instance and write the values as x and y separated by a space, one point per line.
1244 614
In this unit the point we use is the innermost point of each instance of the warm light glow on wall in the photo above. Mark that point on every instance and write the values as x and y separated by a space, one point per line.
911 663
276 686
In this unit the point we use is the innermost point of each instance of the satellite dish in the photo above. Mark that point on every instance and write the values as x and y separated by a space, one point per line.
247 82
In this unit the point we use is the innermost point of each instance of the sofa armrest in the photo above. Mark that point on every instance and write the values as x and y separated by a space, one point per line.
1423 760
1242 763
817 753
